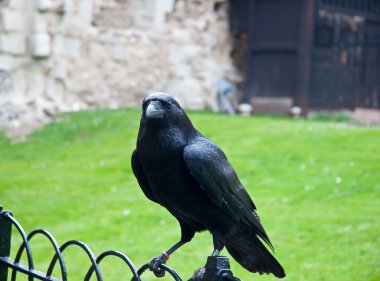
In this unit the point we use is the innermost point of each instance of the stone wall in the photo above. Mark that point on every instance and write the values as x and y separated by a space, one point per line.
69 55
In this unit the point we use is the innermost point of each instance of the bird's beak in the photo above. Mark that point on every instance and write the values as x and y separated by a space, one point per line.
154 110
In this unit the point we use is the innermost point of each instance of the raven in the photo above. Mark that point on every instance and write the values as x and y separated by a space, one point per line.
185 172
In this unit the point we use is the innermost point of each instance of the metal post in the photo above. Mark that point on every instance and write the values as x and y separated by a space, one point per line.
305 54
216 269
5 243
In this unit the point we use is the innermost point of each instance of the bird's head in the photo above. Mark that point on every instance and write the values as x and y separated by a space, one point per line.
162 108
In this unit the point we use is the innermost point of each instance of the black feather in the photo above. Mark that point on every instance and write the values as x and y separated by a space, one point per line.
182 170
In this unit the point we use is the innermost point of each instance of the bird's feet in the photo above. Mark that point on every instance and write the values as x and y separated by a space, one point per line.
155 263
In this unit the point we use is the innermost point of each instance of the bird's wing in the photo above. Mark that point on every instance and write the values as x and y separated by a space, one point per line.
140 176
209 166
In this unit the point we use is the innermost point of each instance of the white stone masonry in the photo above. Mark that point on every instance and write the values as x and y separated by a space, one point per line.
67 55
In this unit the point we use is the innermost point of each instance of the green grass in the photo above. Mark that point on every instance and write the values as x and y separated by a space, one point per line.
316 185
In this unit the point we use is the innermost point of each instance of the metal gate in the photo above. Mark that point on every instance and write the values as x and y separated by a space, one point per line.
216 268
319 53
346 55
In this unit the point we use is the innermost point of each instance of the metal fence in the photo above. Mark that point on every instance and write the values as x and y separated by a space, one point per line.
216 268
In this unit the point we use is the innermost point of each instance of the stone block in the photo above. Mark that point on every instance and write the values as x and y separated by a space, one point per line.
17 4
20 83
72 47
39 23
13 43
161 9
75 25
8 62
44 5
67 46
68 6
108 38
40 44
36 83
6 82
54 90
118 52
85 10
98 50
13 20
58 44
119 16
60 69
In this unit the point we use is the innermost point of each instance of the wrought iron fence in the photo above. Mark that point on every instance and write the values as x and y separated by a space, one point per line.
216 268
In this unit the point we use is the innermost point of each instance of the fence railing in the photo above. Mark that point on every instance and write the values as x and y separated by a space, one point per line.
216 268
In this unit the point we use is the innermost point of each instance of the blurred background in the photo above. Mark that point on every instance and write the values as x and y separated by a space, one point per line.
70 55
73 74
277 57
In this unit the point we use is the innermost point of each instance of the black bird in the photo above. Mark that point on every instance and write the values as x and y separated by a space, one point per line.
182 170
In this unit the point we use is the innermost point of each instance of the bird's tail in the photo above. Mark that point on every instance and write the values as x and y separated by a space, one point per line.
246 248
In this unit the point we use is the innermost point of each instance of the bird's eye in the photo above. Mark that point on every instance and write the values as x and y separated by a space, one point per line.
169 105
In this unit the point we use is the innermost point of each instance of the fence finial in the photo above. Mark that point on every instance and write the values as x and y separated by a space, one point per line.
5 243
216 269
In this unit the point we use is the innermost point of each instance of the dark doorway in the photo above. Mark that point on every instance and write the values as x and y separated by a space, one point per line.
319 53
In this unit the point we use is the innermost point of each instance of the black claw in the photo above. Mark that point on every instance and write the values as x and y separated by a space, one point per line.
155 264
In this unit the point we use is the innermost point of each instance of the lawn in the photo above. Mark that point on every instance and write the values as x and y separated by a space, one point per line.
316 185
